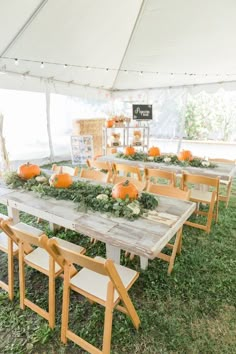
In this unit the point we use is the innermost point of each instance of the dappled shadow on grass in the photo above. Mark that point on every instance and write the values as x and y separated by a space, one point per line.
191 311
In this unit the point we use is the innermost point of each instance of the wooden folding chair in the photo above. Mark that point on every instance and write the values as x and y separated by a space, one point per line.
176 247
100 165
202 196
157 176
73 171
28 236
124 170
95 175
8 245
122 173
224 195
99 281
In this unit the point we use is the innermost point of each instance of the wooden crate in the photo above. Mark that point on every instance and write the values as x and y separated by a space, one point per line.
91 127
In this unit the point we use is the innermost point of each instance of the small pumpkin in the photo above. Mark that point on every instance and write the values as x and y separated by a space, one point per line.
60 180
129 150
113 151
154 151
123 190
28 171
185 155
109 123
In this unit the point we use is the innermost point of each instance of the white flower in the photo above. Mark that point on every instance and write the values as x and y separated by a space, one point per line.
205 163
134 207
151 158
41 179
167 159
102 196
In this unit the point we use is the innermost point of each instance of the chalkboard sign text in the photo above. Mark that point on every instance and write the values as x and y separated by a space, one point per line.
142 111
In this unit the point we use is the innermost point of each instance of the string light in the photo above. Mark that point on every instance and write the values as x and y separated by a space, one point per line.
42 64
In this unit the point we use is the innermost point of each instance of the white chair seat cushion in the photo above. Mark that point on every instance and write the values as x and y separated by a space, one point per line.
96 284
198 195
28 229
225 182
39 257
4 243
69 245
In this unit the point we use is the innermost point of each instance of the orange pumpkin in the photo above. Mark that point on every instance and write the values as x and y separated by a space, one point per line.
129 150
185 155
109 123
123 190
28 171
60 180
113 151
154 151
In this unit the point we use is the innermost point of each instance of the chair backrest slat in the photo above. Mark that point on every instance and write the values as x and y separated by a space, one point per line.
94 175
168 191
157 174
5 226
199 179
133 171
72 257
26 237
99 165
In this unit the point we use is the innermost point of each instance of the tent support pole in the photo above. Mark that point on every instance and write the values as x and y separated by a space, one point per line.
182 122
4 154
47 96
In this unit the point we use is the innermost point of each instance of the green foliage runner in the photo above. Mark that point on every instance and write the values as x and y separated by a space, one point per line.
167 159
88 196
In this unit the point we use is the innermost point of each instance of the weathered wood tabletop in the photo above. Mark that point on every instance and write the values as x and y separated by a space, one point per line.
145 237
222 170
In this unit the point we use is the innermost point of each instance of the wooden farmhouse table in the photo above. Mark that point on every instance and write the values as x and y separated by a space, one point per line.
222 170
143 237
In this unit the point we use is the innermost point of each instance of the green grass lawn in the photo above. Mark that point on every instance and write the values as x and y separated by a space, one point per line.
191 311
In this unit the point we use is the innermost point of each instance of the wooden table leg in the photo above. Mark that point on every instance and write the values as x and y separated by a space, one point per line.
113 253
14 214
143 263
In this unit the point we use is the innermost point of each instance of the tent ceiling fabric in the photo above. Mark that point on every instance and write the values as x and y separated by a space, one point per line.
175 39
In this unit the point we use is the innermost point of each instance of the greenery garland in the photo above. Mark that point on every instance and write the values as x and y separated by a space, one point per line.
167 159
88 196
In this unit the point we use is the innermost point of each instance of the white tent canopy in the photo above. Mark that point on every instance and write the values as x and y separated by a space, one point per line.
171 43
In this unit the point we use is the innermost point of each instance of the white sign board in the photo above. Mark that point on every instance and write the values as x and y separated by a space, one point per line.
81 148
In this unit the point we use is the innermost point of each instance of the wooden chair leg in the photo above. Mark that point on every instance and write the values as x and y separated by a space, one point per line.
173 254
22 275
108 320
10 270
51 293
180 242
65 306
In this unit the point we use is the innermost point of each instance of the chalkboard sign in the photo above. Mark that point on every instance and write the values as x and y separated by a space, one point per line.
142 111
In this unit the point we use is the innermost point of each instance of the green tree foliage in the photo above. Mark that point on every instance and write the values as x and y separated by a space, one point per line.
211 116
